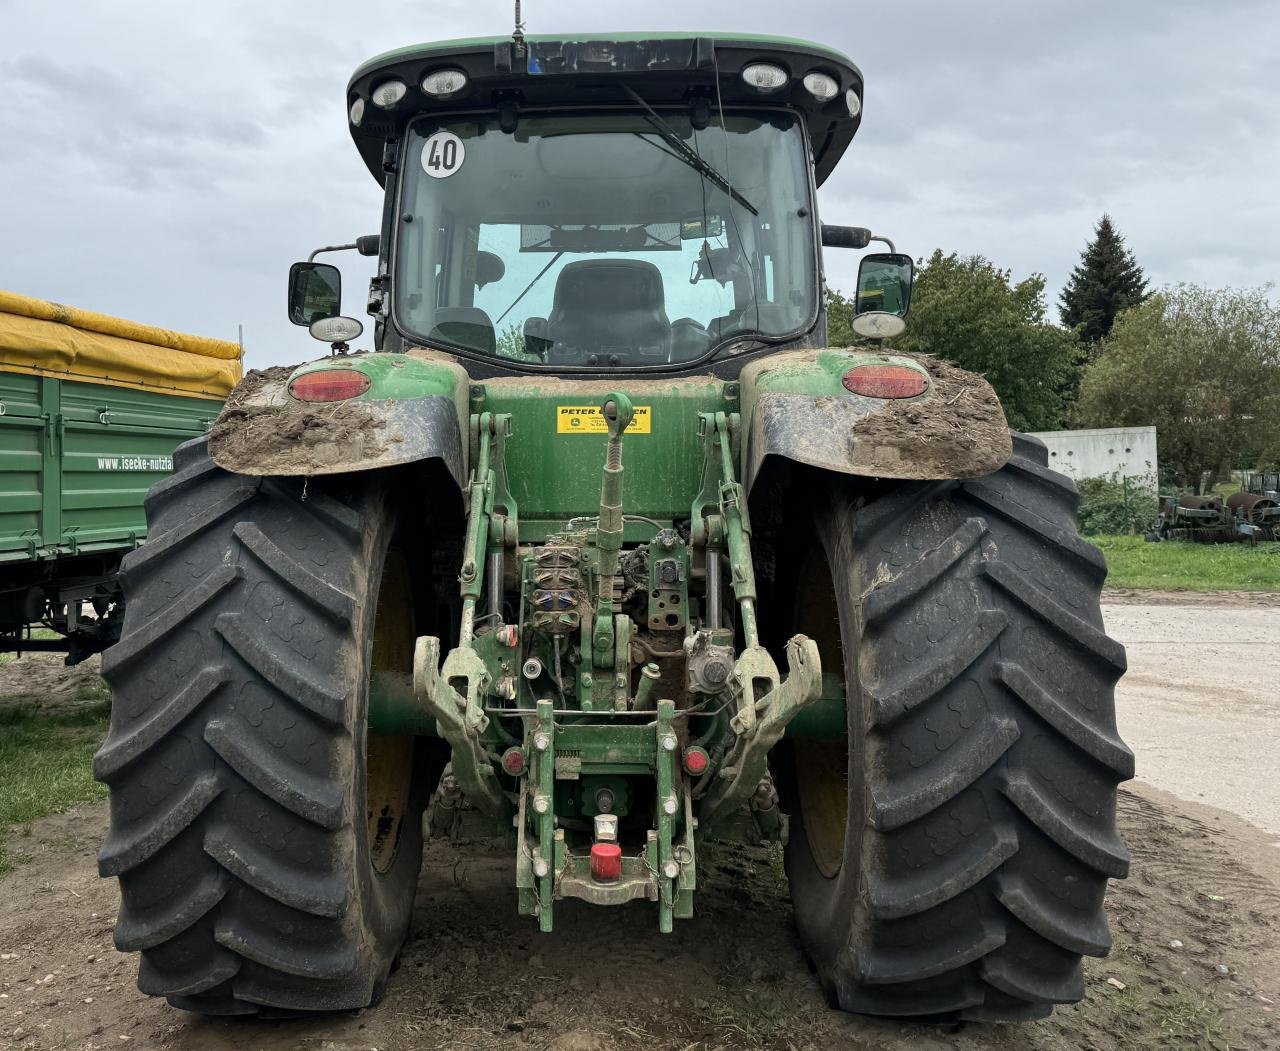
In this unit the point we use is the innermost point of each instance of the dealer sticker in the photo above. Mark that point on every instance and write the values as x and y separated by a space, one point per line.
587 419
135 463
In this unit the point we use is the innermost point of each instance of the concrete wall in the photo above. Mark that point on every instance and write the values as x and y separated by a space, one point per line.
1122 451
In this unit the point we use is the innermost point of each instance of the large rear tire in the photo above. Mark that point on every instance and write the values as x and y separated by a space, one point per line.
267 847
951 859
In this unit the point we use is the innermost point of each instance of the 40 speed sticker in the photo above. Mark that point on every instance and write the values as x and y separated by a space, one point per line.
442 154
587 419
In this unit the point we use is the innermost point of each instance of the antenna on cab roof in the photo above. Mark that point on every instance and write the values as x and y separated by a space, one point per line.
518 34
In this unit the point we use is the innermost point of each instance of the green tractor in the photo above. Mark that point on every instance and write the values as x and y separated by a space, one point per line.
605 551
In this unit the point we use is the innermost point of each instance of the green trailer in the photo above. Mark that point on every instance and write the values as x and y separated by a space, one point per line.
91 409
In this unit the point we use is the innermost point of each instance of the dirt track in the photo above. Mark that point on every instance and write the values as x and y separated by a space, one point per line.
476 975
1200 704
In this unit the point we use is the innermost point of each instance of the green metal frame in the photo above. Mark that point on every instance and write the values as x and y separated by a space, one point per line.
608 733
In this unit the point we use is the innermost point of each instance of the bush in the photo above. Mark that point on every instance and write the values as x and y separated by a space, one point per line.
1112 507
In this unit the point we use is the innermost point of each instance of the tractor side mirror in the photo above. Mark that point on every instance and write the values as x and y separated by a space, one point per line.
884 283
315 292
884 295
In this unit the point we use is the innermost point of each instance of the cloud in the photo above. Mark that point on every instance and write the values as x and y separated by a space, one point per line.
167 162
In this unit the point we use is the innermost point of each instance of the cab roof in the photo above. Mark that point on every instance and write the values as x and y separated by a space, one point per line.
571 70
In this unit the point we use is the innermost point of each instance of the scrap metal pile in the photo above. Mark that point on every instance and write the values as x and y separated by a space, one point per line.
1249 515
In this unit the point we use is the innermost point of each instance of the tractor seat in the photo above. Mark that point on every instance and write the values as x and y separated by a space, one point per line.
609 306
469 326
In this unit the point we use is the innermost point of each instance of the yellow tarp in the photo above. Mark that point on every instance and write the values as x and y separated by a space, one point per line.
48 339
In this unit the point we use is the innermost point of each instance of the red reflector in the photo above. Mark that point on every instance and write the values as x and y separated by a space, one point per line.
885 381
696 761
329 385
513 761
606 862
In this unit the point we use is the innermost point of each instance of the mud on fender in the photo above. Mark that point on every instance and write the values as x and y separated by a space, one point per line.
798 408
413 410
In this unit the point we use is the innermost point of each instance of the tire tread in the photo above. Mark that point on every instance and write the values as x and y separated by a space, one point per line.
230 830
990 750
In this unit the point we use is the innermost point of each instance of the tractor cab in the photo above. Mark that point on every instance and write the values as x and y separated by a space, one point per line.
602 203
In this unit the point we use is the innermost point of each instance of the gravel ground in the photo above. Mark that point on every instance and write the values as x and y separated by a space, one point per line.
1200 704
1196 961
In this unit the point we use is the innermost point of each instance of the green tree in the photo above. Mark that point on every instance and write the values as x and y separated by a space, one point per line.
840 320
1202 365
1107 281
970 312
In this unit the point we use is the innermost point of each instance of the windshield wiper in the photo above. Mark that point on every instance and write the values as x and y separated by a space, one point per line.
685 153
537 278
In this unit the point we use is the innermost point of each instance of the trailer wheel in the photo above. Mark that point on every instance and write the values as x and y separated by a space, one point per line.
950 859
267 846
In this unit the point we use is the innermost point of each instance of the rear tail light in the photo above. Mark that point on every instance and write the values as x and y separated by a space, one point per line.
696 761
513 761
885 381
329 385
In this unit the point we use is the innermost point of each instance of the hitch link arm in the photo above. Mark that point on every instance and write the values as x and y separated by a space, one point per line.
737 528
617 412
764 702
746 765
460 720
453 693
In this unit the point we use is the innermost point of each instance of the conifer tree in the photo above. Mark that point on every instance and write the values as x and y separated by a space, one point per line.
1107 281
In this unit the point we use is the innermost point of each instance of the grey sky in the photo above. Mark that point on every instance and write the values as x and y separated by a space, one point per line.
167 161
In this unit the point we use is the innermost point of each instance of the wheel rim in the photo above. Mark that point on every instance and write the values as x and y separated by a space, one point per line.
822 767
388 758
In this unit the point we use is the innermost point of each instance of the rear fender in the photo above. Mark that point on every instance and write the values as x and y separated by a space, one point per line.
415 409
795 407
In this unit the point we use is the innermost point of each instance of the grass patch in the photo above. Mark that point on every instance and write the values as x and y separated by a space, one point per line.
46 765
757 1017
1191 1020
1180 566
778 881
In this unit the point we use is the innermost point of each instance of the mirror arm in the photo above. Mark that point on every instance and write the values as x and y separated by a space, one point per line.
851 237
366 245
329 248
